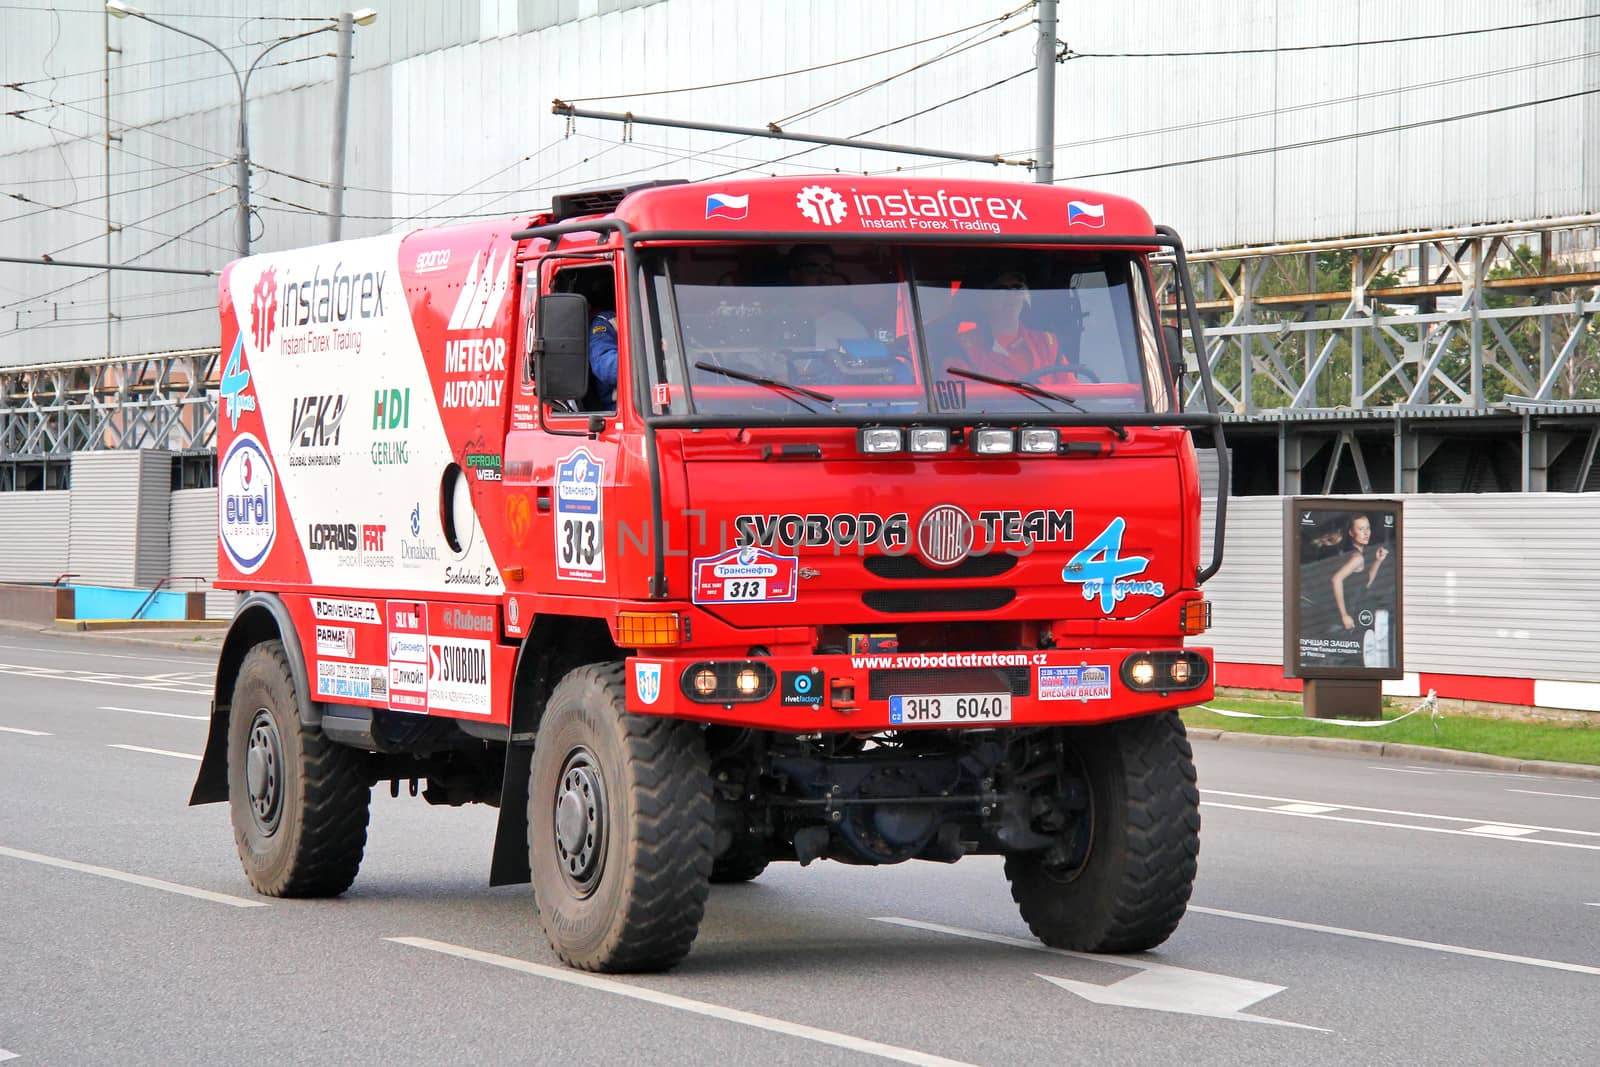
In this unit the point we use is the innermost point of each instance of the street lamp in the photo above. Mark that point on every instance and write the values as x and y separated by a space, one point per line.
364 17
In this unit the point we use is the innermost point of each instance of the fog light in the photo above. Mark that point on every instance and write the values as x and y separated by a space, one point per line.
879 440
992 442
1035 440
705 682
929 439
1179 670
1142 673
747 681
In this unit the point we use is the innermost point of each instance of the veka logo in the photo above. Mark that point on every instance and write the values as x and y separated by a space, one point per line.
264 309
483 295
821 205
235 380
316 421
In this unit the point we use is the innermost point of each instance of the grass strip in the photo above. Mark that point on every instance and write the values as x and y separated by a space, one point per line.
1518 739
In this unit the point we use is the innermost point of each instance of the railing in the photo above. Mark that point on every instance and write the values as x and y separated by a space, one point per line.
159 586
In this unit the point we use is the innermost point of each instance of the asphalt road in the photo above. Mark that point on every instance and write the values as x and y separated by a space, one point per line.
1348 910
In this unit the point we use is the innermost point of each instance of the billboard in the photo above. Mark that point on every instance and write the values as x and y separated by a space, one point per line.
1342 580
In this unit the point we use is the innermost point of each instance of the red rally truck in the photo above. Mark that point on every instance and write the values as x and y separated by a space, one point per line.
701 526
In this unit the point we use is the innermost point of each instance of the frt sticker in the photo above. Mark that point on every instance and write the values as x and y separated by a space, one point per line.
1104 572
580 519
748 575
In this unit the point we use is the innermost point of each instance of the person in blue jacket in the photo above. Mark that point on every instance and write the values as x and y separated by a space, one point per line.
603 357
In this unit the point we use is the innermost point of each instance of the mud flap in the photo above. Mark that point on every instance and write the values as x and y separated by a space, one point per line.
510 863
211 784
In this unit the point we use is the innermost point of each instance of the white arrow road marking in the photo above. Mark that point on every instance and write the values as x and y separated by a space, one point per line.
132 879
4 1055
157 751
1281 801
162 714
157 684
670 1000
1414 826
1496 830
20 730
1156 986
1407 942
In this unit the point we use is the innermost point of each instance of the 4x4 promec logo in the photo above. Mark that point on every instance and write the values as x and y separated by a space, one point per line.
247 508
746 575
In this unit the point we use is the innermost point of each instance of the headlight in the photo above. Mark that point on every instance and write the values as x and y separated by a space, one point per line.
705 682
1036 440
879 440
992 442
930 439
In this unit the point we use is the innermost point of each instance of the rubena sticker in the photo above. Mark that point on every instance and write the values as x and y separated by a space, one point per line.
647 682
748 575
1075 683
580 520
1105 573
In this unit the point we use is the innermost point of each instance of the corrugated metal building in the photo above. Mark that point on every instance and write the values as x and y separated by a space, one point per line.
450 115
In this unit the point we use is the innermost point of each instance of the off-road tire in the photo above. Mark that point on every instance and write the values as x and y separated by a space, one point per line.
646 892
1132 888
311 841
743 862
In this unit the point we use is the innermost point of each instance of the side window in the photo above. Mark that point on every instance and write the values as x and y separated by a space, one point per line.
597 284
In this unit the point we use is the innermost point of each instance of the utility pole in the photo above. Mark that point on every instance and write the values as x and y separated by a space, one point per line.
1044 169
341 118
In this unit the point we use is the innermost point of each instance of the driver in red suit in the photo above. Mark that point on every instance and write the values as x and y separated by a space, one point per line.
999 343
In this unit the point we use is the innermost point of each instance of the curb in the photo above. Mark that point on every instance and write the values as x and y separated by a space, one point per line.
1395 750
189 646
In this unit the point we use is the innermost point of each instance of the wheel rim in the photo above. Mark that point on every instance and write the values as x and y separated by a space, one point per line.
580 821
263 773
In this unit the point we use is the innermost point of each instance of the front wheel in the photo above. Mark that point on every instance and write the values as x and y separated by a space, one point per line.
619 828
1120 878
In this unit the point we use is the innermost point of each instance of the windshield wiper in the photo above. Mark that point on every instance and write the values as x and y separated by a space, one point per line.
1031 390
770 383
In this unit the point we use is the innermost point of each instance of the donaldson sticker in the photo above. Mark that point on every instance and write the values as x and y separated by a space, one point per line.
1075 683
247 508
746 575
580 519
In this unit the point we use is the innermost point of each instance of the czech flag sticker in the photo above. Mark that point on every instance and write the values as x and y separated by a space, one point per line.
727 206
1080 213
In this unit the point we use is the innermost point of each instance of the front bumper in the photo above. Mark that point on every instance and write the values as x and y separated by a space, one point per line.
855 693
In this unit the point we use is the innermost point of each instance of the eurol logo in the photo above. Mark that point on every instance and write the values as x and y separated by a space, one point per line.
247 519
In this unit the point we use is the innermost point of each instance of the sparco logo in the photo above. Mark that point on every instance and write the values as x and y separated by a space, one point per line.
821 205
335 536
945 535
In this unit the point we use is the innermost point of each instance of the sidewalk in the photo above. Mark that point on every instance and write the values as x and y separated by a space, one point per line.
203 641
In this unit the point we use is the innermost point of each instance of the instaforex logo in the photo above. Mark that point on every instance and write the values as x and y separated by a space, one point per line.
938 211
264 309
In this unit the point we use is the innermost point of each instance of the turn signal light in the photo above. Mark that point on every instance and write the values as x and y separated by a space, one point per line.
1195 617
649 629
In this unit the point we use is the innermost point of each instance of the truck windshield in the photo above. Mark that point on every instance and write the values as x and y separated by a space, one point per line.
887 330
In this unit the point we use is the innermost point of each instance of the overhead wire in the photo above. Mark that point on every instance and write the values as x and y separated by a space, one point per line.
45 208
174 84
123 227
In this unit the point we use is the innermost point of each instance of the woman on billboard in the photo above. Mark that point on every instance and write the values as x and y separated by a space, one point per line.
1364 605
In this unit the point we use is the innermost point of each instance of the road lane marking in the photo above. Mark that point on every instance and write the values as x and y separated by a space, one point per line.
150 683
1157 986
162 714
1542 793
20 730
53 651
1409 826
1390 939
157 751
132 879
4 1055
1305 809
1391 811
1496 830
1398 770
671 1000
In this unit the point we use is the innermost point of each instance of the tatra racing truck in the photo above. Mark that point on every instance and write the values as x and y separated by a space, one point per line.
697 527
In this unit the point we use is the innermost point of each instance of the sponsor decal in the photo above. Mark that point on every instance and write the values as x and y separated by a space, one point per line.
727 206
1105 573
865 529
580 521
911 661
331 537
247 508
314 425
407 623
663 395
945 535
372 537
362 544
458 675
469 622
1082 213
321 313
514 616
336 641
647 681
235 380
345 610
264 308
487 465
475 372
391 409
801 689
938 211
483 294
940 535
433 260
416 519
1075 683
414 552
747 575
350 681
519 518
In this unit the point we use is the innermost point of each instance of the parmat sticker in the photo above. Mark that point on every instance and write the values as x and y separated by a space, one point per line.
746 575
337 641
1075 683
1105 573
247 503
580 520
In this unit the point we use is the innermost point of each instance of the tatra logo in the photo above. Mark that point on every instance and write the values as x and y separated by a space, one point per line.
483 294
821 205
945 535
263 308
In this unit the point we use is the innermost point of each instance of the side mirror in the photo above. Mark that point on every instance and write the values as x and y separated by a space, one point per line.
1172 338
561 346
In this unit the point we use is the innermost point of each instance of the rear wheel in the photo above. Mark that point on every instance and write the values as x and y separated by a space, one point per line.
299 802
619 828
1120 878
744 861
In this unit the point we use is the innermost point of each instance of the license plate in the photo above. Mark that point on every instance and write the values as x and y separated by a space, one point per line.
962 709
